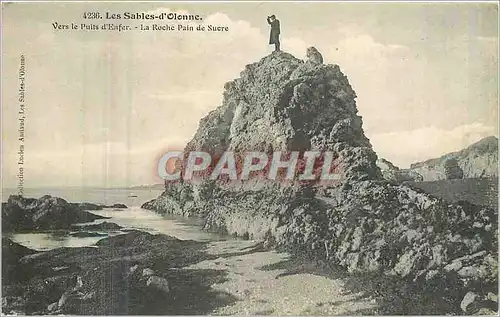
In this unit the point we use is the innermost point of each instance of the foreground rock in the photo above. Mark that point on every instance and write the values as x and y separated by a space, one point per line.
110 279
45 213
362 222
11 253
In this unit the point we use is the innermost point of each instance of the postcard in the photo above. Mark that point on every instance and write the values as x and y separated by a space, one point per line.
249 158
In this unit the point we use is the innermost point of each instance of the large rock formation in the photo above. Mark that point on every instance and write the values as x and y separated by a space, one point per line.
361 222
282 103
479 160
21 214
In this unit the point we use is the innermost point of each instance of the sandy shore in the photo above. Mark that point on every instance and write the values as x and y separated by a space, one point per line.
270 283
139 273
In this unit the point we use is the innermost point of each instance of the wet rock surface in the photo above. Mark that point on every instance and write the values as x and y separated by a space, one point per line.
362 223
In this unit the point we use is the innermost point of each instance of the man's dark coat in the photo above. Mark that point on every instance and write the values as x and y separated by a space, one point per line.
275 31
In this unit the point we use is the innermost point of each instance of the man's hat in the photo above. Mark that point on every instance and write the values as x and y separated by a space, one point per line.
273 16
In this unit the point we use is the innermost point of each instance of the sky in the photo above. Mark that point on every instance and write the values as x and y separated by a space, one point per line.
102 107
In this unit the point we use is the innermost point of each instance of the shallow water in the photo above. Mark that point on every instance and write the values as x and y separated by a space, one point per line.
177 226
133 217
48 240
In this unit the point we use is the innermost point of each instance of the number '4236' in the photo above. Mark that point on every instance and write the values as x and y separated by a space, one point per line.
92 15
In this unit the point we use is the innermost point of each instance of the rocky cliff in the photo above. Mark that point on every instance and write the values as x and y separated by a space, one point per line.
361 222
479 160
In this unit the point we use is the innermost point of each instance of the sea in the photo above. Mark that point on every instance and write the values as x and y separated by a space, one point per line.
133 217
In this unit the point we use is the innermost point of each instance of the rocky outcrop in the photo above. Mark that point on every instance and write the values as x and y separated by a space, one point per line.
119 206
136 273
47 212
479 160
282 104
360 222
91 206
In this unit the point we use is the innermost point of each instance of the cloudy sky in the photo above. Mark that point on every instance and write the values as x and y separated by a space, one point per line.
103 106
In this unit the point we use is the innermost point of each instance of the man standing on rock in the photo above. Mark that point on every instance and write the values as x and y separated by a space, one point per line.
274 36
